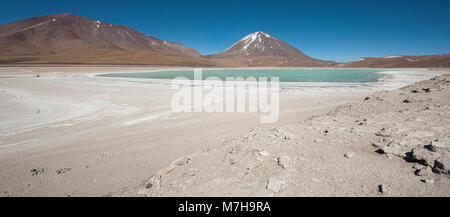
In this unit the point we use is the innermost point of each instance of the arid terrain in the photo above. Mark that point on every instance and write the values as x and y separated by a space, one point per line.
64 132
391 143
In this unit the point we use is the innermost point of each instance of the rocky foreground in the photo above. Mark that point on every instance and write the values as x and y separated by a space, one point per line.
393 143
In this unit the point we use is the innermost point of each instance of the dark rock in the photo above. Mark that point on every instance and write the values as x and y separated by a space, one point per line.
442 166
148 185
384 189
64 170
37 171
423 156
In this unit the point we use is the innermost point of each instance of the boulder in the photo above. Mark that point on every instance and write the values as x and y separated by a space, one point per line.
439 145
424 171
423 156
393 149
442 166
284 162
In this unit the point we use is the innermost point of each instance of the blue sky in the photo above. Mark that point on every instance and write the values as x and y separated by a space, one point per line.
331 30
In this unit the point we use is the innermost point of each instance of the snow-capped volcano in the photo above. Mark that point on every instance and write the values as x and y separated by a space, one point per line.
262 49
260 44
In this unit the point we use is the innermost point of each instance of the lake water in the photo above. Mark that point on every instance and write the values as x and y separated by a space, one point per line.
285 75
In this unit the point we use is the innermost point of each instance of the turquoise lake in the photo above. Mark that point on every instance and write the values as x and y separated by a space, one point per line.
285 75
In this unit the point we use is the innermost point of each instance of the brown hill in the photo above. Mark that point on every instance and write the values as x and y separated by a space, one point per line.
65 38
262 49
399 61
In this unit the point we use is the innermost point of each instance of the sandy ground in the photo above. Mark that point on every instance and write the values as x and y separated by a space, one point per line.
67 133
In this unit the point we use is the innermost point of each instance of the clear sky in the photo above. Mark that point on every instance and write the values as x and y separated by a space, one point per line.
331 30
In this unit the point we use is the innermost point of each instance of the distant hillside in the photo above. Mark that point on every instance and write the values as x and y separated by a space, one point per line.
399 61
65 38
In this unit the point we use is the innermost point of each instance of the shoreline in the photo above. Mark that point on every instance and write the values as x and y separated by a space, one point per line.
390 81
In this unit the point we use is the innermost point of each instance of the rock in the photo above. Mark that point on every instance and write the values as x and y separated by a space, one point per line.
366 98
424 171
37 171
64 170
275 185
384 189
284 162
423 156
437 145
148 185
38 76
406 101
349 154
428 181
442 166
427 90
392 149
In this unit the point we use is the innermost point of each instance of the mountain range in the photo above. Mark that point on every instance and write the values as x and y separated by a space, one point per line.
70 39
